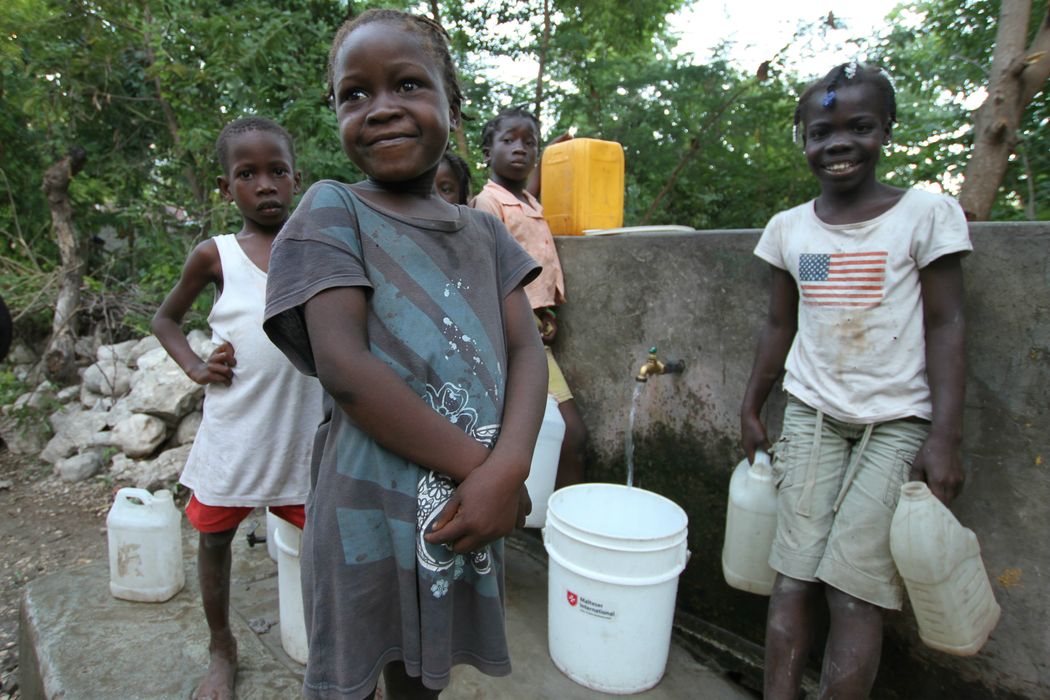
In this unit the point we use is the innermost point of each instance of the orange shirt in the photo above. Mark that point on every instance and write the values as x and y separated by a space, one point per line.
525 222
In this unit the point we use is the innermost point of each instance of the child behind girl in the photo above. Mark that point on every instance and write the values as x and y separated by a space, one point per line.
510 144
866 317
253 445
412 313
452 180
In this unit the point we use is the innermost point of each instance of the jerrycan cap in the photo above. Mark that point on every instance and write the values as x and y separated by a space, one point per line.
761 466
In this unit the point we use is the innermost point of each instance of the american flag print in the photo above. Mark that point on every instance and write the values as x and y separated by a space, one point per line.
842 279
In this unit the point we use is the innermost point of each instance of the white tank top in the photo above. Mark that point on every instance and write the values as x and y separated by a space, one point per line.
254 443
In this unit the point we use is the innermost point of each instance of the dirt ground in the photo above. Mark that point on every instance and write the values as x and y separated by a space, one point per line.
46 525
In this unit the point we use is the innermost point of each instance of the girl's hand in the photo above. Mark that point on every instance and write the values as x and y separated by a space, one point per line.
938 464
752 435
484 508
218 369
524 505
548 324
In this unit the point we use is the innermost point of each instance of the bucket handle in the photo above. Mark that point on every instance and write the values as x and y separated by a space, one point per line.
674 573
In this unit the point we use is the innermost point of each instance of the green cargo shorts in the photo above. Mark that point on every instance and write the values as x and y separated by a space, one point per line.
838 485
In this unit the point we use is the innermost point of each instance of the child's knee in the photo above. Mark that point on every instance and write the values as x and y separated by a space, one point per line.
842 603
217 540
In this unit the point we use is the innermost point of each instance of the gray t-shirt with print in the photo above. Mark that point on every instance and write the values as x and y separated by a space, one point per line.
374 591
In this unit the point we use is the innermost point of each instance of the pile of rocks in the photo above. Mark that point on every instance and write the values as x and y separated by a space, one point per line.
134 413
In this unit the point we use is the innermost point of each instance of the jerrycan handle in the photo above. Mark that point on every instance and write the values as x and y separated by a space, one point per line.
761 466
129 492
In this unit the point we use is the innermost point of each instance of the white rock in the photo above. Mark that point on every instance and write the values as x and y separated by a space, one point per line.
92 400
201 343
79 467
187 429
67 394
152 474
151 359
22 355
164 391
140 348
39 398
108 378
139 435
118 412
85 348
23 437
124 467
74 429
118 352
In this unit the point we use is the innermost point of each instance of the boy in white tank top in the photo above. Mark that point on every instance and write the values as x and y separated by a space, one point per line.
260 414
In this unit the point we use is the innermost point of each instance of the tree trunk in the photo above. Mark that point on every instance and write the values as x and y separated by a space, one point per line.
544 46
1016 76
59 361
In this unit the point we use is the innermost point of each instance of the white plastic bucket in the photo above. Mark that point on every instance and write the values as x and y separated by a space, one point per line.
271 534
290 591
615 556
144 536
544 469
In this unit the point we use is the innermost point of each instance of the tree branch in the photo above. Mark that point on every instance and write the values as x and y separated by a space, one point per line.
694 148
1035 74
544 46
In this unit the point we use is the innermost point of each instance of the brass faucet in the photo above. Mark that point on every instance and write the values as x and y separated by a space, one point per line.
653 365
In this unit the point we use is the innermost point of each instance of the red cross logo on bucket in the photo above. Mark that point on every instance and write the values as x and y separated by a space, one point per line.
572 597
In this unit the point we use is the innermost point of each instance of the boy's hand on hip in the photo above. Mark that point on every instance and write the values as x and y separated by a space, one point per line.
218 369
938 464
484 508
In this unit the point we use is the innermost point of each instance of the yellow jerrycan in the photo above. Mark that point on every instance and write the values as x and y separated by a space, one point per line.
581 187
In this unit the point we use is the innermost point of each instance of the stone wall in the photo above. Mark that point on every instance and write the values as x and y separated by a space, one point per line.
701 298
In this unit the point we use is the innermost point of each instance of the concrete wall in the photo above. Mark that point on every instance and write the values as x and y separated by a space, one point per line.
700 298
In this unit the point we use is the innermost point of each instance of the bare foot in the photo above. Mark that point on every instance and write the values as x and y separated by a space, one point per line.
217 683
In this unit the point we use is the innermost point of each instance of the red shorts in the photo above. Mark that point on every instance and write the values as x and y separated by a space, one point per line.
207 518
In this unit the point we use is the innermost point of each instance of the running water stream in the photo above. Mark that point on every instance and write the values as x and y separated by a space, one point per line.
629 441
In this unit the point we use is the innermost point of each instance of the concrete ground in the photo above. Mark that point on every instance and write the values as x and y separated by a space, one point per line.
77 642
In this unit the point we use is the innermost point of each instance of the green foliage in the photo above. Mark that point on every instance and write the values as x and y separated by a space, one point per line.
145 87
11 387
941 72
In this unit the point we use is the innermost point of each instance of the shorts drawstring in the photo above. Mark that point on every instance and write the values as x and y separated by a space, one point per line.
805 501
851 473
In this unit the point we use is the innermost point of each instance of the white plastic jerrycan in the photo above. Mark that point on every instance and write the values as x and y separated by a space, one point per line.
145 546
751 523
940 562
544 469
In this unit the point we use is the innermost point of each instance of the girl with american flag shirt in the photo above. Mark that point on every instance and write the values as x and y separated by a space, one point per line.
866 320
